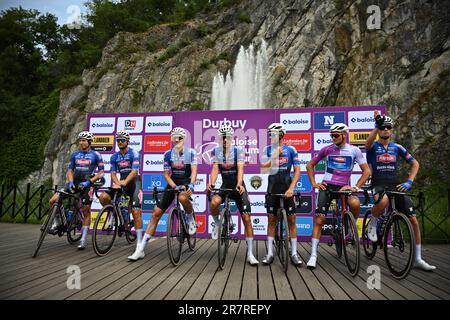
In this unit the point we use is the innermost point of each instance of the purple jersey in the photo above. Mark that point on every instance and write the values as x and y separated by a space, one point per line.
339 163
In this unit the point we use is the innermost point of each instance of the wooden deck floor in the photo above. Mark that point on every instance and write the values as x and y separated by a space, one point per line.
197 276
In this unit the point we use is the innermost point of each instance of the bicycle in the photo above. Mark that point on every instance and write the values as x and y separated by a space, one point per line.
282 234
176 232
397 225
344 231
226 226
70 222
113 220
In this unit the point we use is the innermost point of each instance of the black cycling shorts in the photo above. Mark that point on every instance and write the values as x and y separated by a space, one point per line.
242 200
85 195
133 190
279 183
169 196
403 203
324 200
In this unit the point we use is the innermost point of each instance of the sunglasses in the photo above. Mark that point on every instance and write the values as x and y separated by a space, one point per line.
335 135
385 127
121 140
177 137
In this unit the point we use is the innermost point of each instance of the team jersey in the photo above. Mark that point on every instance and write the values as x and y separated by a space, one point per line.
384 162
287 159
228 164
339 163
180 164
125 163
83 164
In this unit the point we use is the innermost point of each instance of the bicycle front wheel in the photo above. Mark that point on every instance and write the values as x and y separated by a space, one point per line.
399 255
46 227
105 230
350 243
370 248
174 236
74 229
129 235
192 239
224 237
282 239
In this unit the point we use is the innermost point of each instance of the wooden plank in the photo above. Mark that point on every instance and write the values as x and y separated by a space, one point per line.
233 285
336 273
282 286
200 285
181 289
104 287
217 285
266 288
250 279
298 285
168 276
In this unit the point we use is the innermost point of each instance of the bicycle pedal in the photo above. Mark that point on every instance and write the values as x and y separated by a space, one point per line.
330 243
235 240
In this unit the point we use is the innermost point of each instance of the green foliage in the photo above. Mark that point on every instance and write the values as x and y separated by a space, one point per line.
244 17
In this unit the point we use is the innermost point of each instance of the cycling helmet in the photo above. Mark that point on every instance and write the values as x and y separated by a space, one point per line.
123 134
85 135
339 127
177 131
388 121
276 128
225 130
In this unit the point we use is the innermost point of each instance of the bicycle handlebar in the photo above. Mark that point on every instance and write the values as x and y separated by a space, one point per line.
217 190
350 192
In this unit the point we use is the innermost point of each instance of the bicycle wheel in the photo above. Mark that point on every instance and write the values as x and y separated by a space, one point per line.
282 239
105 230
350 243
337 236
174 236
192 239
74 233
46 227
399 256
129 235
224 237
370 248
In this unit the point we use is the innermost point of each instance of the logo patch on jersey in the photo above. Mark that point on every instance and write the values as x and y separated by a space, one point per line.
283 161
340 162
178 165
124 164
256 182
83 162
339 159
386 158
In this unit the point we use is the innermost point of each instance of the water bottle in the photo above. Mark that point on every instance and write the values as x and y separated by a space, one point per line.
124 208
69 215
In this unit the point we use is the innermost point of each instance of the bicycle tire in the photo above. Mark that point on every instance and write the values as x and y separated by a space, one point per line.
108 227
337 237
174 236
223 242
283 240
350 237
74 233
129 235
53 212
397 218
370 248
191 239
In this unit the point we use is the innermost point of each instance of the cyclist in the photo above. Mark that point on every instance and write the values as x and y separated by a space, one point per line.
82 164
383 156
126 163
230 161
277 160
180 172
340 159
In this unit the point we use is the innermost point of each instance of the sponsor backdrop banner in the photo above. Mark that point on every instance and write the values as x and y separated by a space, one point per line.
307 131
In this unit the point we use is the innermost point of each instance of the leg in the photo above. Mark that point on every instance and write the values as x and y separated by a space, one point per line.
355 206
214 209
105 199
246 219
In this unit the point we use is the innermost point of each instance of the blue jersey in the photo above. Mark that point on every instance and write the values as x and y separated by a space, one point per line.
125 163
83 164
180 164
287 159
228 164
384 162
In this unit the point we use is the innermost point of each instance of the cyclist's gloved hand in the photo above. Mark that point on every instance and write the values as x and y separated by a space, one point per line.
71 185
379 121
407 185
85 184
191 186
179 188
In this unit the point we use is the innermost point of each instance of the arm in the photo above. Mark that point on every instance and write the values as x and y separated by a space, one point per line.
169 179
130 177
240 177
214 175
365 175
114 179
310 170
371 139
290 192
